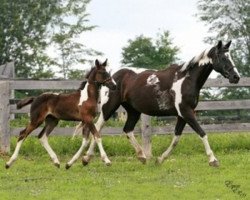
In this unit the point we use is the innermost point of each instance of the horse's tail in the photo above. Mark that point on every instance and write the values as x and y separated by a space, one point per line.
24 102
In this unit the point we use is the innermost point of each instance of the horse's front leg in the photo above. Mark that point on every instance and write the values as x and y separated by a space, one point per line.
98 140
189 117
85 142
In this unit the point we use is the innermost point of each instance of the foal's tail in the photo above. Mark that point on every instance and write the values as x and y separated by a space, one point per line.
24 102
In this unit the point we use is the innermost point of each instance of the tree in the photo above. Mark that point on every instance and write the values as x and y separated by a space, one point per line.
23 35
148 53
229 20
28 28
69 23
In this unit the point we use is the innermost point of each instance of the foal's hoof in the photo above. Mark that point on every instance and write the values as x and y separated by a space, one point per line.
214 163
142 159
85 162
67 166
7 166
158 161
57 165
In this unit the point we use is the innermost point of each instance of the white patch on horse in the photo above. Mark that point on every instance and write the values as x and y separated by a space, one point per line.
228 55
84 94
152 80
201 59
178 95
103 97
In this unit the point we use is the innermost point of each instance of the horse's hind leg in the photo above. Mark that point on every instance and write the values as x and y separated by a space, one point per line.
50 124
178 131
132 119
23 134
85 141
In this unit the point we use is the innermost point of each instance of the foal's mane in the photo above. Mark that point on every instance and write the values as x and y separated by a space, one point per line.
82 85
90 71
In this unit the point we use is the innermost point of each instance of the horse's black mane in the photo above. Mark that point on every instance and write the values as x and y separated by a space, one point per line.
88 74
82 86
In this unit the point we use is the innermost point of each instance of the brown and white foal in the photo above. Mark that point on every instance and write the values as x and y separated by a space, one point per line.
77 106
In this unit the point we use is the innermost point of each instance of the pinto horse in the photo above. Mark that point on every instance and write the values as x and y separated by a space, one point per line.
170 92
80 105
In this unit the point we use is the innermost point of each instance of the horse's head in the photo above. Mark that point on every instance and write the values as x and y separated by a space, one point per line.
101 76
223 63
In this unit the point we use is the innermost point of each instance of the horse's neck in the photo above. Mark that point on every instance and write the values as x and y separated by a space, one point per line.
93 91
201 74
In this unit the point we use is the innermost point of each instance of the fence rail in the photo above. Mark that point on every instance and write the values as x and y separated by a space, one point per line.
7 108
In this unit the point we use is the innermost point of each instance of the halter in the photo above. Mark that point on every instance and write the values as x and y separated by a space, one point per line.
99 84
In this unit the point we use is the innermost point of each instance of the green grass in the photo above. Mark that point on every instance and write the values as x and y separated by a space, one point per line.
186 175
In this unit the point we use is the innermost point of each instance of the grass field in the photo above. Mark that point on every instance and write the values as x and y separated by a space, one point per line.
186 175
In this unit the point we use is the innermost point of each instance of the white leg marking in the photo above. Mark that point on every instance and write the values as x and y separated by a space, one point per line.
79 152
78 130
178 96
45 144
136 145
102 151
166 154
209 151
15 154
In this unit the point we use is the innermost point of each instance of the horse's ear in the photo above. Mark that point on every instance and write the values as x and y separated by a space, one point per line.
105 63
219 45
97 63
228 45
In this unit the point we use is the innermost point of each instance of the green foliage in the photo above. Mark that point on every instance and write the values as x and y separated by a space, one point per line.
23 35
229 20
148 53
67 27
28 29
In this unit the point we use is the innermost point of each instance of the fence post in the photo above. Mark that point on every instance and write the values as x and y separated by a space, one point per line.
4 116
146 131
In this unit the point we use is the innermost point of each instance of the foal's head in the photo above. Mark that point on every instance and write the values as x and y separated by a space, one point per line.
223 63
100 76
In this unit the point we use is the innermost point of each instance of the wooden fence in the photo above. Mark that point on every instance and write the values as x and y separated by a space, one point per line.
7 108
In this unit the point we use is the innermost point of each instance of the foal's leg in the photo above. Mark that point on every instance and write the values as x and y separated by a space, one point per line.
189 117
178 131
50 124
98 140
22 136
91 150
108 110
85 141
132 119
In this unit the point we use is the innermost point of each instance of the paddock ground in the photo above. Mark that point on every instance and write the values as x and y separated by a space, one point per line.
186 175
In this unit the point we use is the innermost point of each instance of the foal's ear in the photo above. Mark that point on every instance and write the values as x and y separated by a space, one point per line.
105 63
228 45
97 63
219 45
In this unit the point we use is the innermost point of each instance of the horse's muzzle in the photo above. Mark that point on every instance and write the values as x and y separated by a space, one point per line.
234 78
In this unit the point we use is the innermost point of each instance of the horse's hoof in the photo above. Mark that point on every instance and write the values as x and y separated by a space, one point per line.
7 166
214 163
142 159
85 162
57 165
67 166
158 161
108 164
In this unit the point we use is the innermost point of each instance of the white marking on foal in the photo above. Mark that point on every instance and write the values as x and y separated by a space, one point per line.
45 144
84 94
178 96
79 152
152 80
15 154
102 151
209 151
